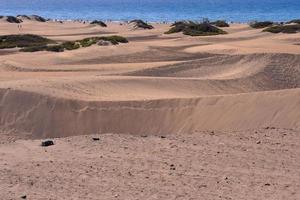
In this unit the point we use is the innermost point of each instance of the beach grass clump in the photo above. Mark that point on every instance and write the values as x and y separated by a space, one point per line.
290 28
23 40
220 23
259 25
100 23
294 21
72 45
140 24
195 29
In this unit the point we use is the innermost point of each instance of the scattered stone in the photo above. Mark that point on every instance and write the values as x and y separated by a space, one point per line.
172 167
258 142
144 136
47 143
267 184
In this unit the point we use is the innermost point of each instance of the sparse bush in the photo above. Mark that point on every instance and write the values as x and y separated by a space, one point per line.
263 24
220 23
283 29
140 24
37 18
70 45
25 40
55 48
34 49
100 23
12 19
296 21
114 39
195 29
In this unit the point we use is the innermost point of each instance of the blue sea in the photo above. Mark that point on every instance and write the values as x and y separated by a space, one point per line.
156 10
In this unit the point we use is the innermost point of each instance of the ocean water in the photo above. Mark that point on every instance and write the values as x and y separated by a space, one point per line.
156 10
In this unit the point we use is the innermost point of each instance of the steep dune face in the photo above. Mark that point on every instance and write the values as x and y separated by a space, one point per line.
46 116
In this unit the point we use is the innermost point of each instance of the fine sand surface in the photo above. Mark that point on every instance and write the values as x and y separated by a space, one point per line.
229 106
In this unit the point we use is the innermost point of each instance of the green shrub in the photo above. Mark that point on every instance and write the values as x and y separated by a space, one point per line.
296 21
283 29
70 45
100 23
220 23
12 19
26 40
141 24
195 29
263 24
115 39
87 42
34 49
55 48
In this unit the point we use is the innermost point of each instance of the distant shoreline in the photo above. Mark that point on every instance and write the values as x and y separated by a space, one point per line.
148 21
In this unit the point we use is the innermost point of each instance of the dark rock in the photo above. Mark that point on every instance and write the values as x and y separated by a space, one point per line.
47 143
24 197
96 139
162 137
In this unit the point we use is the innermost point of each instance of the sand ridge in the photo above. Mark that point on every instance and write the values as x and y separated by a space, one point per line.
174 117
152 67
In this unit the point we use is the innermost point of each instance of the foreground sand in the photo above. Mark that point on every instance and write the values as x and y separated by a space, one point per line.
252 164
213 98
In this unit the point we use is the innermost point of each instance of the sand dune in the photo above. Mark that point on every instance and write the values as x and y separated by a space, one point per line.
228 105
153 84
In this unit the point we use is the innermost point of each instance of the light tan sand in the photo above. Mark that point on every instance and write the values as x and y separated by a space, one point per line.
252 164
156 84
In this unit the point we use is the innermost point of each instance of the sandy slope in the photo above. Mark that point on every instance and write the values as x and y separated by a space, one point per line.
156 84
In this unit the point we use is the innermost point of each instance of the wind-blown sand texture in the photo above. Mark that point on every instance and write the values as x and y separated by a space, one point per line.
216 98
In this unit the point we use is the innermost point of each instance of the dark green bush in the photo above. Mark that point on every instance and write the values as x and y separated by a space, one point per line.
70 45
141 24
195 29
55 48
100 23
114 39
12 19
34 49
37 18
263 24
220 23
283 29
25 40
296 21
